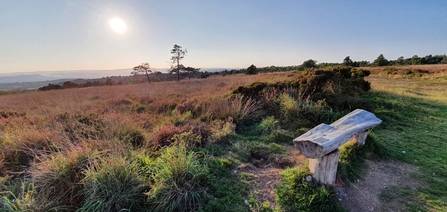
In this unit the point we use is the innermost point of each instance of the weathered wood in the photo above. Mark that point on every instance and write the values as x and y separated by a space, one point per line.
360 138
324 169
324 138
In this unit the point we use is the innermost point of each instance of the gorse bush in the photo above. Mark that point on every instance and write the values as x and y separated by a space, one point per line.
310 98
178 181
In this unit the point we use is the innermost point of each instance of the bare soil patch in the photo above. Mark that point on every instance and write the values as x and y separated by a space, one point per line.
381 176
266 176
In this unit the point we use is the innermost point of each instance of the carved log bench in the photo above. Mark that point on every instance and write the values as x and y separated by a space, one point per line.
321 143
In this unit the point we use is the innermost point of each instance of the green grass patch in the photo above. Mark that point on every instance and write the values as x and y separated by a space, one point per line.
413 131
294 193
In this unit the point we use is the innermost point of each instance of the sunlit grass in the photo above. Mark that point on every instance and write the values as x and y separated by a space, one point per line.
415 118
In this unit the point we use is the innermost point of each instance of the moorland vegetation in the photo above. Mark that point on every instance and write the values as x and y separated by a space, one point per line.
178 146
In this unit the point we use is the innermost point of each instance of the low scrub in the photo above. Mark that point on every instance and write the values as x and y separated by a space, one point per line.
310 98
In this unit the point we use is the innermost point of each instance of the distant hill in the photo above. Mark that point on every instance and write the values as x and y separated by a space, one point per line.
34 80
25 78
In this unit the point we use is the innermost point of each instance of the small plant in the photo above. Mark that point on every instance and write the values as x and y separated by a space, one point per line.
21 200
113 184
269 125
131 135
178 181
297 194
221 131
189 139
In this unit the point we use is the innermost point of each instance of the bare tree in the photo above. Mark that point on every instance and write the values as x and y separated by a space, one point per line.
144 68
177 54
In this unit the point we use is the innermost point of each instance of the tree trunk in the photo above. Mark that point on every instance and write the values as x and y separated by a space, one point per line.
178 67
148 79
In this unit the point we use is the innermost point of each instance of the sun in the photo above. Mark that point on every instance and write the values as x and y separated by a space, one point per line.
118 25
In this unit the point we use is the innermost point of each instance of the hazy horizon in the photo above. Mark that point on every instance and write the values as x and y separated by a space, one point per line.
112 35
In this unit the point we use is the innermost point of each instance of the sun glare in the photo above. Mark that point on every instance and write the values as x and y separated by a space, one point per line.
118 25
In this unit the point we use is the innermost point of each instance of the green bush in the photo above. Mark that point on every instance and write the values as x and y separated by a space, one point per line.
294 193
278 137
269 125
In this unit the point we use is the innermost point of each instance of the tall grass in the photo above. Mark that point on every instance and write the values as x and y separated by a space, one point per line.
178 181
113 184
237 107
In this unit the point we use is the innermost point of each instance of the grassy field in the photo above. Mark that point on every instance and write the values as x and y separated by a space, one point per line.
415 118
173 146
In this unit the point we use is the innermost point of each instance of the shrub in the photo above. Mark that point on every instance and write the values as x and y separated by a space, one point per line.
164 136
294 193
113 184
269 125
178 181
221 131
189 138
131 135
313 97
278 136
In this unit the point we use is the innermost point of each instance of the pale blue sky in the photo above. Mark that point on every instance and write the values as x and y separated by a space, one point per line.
50 35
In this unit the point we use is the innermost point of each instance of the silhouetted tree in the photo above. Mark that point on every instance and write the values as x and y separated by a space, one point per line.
347 61
177 54
400 61
380 61
110 82
190 70
251 70
415 60
144 68
69 84
309 64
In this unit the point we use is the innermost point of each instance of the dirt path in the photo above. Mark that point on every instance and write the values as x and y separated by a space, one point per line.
267 175
385 176
363 195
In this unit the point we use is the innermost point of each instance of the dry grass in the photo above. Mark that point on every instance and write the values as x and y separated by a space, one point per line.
99 98
37 123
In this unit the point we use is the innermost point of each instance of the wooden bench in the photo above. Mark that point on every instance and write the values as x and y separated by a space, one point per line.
321 143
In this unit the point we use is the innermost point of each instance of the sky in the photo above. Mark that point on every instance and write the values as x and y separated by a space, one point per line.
55 35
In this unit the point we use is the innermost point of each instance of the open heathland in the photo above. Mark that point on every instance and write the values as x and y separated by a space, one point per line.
224 143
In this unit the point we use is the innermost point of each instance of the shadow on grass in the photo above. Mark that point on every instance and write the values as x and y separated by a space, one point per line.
413 131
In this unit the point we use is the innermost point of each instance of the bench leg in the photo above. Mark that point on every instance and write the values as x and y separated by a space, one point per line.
324 169
361 138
